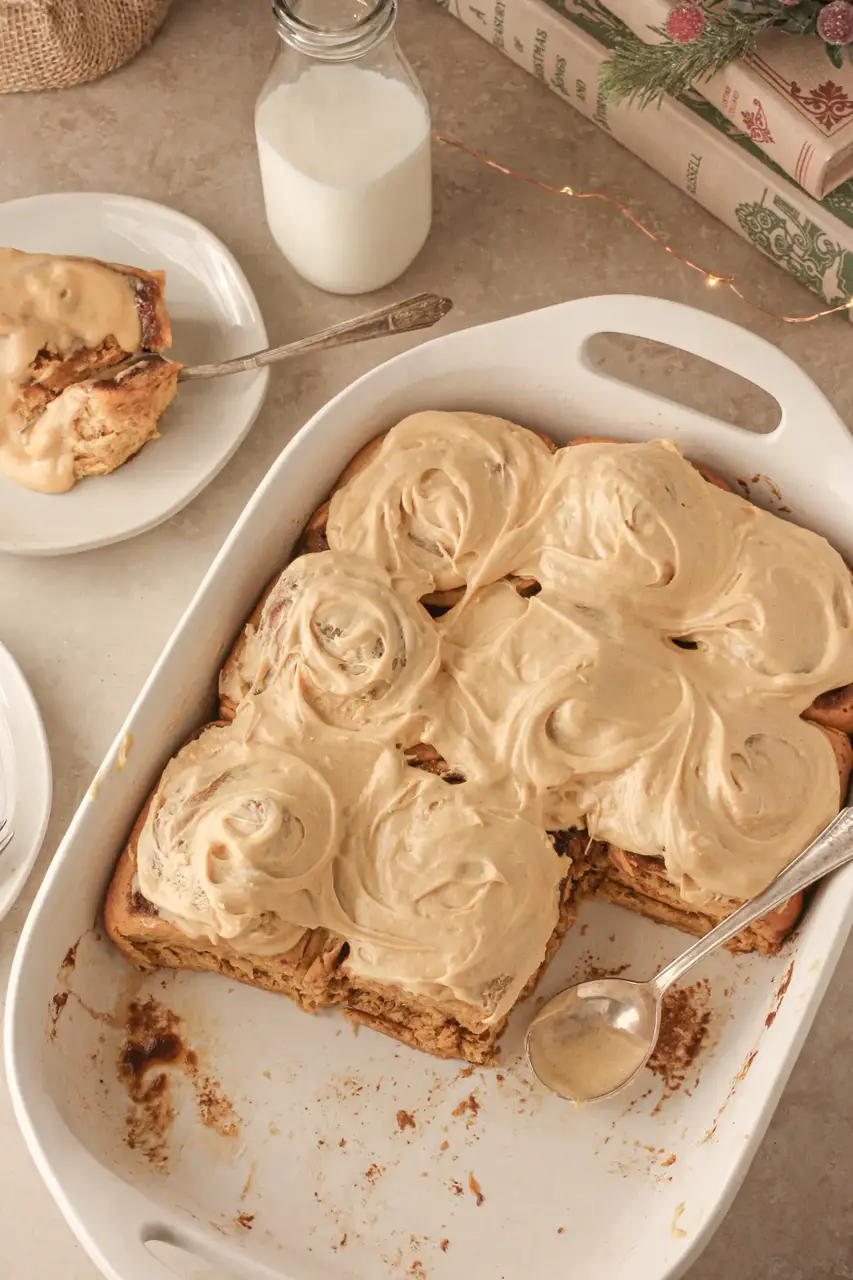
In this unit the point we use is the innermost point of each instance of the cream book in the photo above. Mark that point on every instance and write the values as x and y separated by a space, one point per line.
688 141
788 97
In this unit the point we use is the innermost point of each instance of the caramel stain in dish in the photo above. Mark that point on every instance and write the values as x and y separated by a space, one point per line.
57 1004
153 1049
780 995
445 1245
375 1171
244 1220
124 750
456 1188
417 1270
685 1018
405 1120
771 485
60 998
247 1185
744 1071
675 1230
741 1075
475 1189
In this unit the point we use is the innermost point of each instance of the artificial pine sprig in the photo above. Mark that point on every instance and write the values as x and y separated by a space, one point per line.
701 37
644 73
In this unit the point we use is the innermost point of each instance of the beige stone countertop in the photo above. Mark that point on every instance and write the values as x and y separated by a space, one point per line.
176 126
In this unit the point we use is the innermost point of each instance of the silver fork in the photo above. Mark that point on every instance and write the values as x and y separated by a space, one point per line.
420 312
6 834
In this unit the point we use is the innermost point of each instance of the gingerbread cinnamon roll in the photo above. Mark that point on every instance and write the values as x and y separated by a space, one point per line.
238 842
444 501
335 643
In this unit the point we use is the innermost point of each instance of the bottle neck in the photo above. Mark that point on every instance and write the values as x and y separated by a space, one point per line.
334 30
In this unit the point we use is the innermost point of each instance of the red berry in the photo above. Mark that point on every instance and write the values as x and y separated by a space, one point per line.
835 23
685 23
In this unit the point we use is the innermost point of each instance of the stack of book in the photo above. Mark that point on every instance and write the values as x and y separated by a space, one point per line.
725 146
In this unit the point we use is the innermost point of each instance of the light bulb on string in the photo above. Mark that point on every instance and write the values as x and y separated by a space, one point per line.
712 278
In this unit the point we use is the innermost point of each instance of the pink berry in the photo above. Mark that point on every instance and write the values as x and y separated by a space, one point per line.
835 23
685 23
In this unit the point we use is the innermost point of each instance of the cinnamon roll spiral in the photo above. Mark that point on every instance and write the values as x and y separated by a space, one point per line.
336 643
726 801
448 896
443 502
635 528
238 843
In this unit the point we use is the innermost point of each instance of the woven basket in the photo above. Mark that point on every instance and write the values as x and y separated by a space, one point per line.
51 44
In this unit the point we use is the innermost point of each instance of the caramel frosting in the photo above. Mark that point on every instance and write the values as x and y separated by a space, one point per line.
54 305
460 898
443 502
652 691
335 644
239 840
255 835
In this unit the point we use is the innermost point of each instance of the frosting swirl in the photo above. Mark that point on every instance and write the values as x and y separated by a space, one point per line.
727 799
634 527
443 502
538 695
336 643
239 841
460 898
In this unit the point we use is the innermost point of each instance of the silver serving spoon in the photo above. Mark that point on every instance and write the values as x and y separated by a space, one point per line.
420 312
592 1039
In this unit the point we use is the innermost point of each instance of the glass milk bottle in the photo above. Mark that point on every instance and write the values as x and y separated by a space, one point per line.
343 135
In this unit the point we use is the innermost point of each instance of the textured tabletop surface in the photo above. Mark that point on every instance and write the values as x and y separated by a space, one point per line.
176 126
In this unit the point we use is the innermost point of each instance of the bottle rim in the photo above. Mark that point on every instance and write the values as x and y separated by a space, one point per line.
335 43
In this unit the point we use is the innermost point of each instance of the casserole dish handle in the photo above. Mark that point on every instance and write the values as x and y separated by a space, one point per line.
127 1256
805 409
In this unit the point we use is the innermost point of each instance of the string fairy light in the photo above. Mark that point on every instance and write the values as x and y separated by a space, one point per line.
712 279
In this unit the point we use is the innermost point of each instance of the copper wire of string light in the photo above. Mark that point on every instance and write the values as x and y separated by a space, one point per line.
712 278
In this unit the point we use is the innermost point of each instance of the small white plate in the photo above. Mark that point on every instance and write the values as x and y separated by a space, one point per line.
214 316
25 779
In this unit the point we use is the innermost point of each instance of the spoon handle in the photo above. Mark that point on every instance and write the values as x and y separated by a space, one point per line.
419 312
832 848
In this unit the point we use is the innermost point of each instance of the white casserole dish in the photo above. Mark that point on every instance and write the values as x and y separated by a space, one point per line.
336 1187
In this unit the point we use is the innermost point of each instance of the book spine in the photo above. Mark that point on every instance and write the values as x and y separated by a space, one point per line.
749 98
762 207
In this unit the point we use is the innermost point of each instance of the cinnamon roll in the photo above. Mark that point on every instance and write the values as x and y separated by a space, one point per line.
728 800
448 896
443 502
335 643
636 528
238 843
538 693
